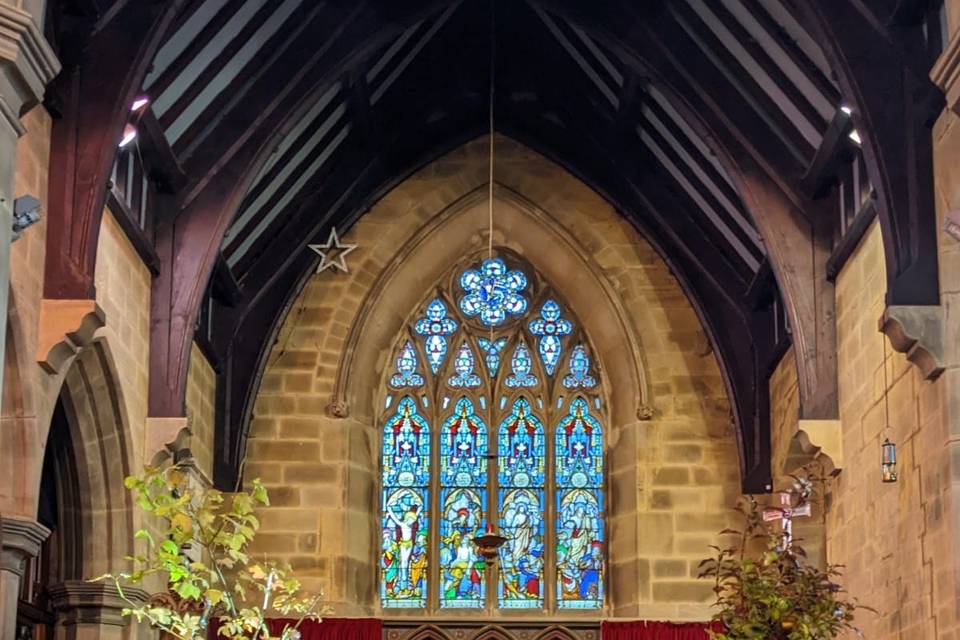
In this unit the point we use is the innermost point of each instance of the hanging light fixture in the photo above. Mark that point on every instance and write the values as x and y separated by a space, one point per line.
888 465
888 450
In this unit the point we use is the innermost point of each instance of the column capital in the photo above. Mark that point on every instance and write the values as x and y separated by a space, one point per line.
27 63
19 540
81 602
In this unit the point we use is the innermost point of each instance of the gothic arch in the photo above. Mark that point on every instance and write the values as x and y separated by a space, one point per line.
383 310
555 633
492 632
99 431
429 632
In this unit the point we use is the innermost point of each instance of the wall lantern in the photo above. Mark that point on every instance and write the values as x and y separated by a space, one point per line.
888 463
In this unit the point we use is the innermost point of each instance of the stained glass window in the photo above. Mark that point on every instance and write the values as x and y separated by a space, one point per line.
520 365
406 375
493 292
405 500
521 479
579 465
579 376
435 328
463 366
463 498
491 353
491 361
550 328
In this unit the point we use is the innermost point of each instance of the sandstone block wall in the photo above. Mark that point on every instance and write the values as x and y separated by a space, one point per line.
672 479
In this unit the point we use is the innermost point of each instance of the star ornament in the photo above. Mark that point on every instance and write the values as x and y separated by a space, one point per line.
332 254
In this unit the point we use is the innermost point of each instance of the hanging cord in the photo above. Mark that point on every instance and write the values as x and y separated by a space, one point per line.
493 71
886 386
493 66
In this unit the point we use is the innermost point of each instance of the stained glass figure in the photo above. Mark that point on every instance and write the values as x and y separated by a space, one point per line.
405 500
493 293
463 496
435 328
520 365
406 375
579 462
491 353
521 455
550 328
579 376
463 366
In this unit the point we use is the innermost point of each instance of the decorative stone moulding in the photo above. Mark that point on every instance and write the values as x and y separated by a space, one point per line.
21 540
165 437
66 326
946 73
645 412
338 408
27 64
81 602
824 439
917 331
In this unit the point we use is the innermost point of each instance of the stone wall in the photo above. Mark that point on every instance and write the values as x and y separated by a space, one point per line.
892 538
314 438
201 407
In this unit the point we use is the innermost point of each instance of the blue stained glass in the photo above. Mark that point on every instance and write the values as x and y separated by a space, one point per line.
406 375
435 328
463 448
491 351
463 495
521 455
579 377
493 293
405 500
579 461
521 364
550 328
463 365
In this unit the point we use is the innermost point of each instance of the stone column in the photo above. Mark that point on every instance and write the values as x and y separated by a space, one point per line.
27 64
91 611
19 541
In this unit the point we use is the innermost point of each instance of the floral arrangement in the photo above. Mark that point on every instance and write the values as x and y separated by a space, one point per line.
200 551
775 592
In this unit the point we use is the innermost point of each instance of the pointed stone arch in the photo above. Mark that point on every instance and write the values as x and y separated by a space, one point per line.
555 632
429 632
99 430
492 632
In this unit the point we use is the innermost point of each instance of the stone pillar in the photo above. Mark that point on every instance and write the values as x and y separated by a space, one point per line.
27 64
91 611
19 541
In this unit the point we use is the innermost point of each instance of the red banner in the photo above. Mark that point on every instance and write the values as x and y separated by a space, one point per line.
645 630
327 629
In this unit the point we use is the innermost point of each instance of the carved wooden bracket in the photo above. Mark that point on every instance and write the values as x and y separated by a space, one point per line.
824 440
917 331
65 327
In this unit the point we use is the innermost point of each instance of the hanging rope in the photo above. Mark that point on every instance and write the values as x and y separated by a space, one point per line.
493 24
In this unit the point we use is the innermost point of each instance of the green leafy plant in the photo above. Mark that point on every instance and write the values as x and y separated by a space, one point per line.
767 589
200 551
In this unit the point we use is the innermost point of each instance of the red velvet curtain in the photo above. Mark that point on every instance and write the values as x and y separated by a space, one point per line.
645 630
326 629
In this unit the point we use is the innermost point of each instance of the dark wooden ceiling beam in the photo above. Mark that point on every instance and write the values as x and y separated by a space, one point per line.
361 178
91 104
227 164
893 112
791 224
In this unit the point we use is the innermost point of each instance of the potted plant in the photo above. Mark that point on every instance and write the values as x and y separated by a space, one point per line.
199 550
766 588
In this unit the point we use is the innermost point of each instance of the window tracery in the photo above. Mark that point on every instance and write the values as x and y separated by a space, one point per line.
506 372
